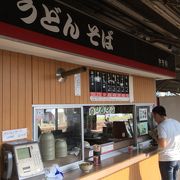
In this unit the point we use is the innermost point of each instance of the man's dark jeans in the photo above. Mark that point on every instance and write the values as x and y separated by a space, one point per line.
168 169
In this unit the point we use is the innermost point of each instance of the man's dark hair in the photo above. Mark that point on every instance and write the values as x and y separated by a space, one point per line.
159 110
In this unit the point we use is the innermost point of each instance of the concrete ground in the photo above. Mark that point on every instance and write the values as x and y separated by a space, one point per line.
178 178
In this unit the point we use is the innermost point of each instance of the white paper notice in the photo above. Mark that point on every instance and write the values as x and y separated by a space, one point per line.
77 84
15 134
107 148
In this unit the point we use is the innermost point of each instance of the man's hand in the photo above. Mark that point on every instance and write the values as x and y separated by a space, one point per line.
153 134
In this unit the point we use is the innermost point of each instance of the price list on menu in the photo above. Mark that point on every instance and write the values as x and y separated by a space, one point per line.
105 86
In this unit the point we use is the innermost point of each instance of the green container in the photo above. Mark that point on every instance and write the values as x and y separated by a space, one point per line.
61 148
47 146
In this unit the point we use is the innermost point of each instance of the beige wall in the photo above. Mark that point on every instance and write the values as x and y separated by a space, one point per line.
172 105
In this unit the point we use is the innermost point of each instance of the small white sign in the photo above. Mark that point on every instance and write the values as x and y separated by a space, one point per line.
143 114
107 148
91 153
100 98
77 84
15 134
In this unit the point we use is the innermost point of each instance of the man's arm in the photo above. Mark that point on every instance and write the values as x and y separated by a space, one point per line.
162 143
162 137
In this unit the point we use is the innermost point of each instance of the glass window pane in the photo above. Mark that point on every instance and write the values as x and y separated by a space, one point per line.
66 128
107 123
45 120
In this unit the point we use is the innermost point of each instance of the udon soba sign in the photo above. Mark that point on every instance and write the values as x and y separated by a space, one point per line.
52 24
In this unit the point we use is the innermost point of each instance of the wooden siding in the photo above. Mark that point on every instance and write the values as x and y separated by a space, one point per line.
15 91
143 170
144 90
27 80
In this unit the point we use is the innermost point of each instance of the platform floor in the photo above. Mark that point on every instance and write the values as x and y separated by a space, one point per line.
178 175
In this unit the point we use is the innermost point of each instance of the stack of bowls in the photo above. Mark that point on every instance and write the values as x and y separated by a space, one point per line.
61 148
47 146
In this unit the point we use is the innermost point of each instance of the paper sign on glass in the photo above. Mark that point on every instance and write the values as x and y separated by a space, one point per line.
143 114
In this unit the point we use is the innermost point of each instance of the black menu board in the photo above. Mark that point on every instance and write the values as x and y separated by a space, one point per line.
105 86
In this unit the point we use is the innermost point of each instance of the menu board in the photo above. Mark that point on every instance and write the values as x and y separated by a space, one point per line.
105 86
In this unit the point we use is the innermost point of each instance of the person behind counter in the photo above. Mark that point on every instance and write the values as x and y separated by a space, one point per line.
168 142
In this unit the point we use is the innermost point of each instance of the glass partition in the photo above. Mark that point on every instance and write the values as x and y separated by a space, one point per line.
108 123
61 127
144 120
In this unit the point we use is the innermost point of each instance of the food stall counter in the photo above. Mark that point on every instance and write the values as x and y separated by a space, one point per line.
116 164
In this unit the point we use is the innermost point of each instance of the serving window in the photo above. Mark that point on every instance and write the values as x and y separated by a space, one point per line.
144 120
59 129
103 124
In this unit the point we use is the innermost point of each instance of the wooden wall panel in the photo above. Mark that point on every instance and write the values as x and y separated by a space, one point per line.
144 90
149 168
28 103
14 90
53 82
58 86
61 86
41 85
6 120
63 93
47 86
35 79
54 92
68 86
28 80
21 91
144 170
